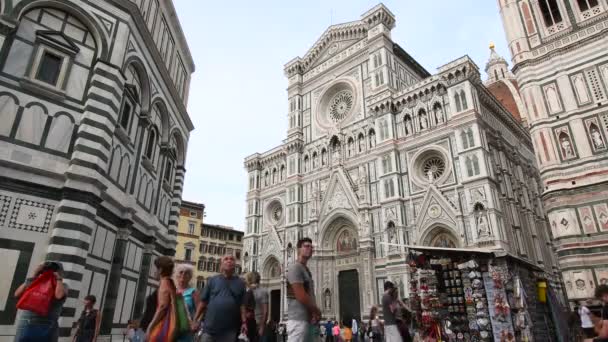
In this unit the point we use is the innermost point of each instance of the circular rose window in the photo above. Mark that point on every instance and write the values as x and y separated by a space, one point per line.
431 165
433 168
340 105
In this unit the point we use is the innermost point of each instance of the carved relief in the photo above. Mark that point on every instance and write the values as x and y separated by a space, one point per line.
587 220
594 133
601 212
566 146
31 215
579 283
563 222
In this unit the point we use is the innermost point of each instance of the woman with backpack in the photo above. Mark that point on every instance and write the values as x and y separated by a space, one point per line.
33 326
183 276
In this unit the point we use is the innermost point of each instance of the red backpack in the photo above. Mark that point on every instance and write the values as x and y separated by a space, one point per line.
38 296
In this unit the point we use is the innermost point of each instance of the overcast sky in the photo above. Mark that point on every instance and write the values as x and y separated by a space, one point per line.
238 98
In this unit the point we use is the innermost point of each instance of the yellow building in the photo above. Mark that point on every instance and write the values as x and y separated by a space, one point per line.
216 241
203 245
188 237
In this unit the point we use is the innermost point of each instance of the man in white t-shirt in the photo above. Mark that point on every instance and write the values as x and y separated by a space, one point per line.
586 323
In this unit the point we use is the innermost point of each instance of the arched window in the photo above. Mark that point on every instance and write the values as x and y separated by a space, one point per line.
463 99
266 178
407 124
475 165
323 157
306 163
315 160
372 138
457 102
584 5
469 165
472 164
282 175
351 146
496 74
470 137
151 144
274 176
550 12
464 139
361 142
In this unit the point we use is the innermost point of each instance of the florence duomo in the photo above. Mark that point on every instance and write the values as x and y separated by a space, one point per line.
378 200
380 154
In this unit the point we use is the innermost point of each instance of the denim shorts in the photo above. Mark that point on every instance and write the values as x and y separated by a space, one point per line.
36 330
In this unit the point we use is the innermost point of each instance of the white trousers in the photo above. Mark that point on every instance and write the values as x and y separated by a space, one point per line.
391 333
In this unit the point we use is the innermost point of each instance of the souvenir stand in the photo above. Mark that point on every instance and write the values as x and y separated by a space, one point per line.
467 295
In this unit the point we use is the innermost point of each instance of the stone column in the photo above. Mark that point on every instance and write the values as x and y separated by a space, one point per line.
120 249
142 283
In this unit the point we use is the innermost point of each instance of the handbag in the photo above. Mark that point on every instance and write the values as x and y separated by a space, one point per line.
38 296
175 322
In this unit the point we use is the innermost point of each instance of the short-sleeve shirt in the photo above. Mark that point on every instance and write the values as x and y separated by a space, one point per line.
299 274
224 297
261 297
389 317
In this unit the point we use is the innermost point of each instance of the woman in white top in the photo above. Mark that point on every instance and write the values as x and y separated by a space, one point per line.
375 325
586 323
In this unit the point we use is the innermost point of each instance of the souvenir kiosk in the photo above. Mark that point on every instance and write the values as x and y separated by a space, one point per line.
476 295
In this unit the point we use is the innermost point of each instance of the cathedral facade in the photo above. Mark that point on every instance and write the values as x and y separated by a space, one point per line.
379 155
558 50
93 137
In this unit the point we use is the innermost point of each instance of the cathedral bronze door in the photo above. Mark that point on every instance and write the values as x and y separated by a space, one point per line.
348 286
275 305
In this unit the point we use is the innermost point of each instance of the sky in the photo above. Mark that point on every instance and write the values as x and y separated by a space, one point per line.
238 97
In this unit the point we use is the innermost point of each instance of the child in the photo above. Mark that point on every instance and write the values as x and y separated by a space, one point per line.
134 332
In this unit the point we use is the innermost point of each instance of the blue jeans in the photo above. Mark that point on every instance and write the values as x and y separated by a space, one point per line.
36 330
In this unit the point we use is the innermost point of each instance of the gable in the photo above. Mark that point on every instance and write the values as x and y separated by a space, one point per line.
335 39
339 194
332 50
435 208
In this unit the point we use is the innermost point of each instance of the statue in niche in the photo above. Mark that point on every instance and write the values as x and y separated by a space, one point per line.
566 146
327 300
423 121
392 239
289 256
482 225
596 137
408 126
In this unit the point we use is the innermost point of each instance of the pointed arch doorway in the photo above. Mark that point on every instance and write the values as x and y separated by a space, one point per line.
348 291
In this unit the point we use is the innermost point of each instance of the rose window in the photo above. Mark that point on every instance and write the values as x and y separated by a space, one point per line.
340 105
433 168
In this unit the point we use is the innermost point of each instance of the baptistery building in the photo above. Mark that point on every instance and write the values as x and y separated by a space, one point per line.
380 155
93 137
